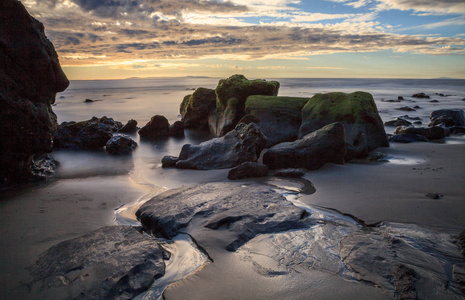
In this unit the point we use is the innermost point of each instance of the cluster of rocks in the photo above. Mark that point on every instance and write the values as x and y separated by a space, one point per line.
30 77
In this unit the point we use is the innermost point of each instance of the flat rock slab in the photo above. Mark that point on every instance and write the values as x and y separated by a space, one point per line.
114 262
245 210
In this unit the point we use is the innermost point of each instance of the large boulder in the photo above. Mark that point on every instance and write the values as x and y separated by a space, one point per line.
157 127
245 211
449 117
279 118
244 143
326 145
120 144
195 108
114 262
92 134
30 77
356 111
231 94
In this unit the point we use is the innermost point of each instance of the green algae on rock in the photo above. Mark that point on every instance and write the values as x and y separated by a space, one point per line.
356 111
196 107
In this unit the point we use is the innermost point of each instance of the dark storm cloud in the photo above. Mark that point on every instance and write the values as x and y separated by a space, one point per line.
213 40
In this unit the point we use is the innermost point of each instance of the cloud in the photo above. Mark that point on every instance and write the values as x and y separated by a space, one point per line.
428 6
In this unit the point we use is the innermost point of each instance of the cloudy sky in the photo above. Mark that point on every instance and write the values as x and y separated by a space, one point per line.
107 39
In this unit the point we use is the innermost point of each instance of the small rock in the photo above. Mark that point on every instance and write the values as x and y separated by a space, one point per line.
433 196
420 95
391 101
450 117
458 273
398 122
169 161
434 101
458 130
248 170
130 127
157 127
404 281
291 172
89 101
407 138
405 108
400 98
177 129
417 107
431 133
376 156
120 144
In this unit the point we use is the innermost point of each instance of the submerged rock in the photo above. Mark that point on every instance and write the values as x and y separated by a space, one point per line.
157 127
115 262
431 133
358 113
326 145
195 108
420 95
86 135
231 94
407 138
120 144
240 145
450 117
397 122
30 77
279 118
248 170
130 127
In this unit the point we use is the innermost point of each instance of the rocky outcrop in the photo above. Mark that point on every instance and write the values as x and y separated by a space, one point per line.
120 144
130 127
30 77
245 211
158 127
115 262
92 134
231 95
358 113
195 108
431 133
326 145
448 117
279 118
242 144
248 170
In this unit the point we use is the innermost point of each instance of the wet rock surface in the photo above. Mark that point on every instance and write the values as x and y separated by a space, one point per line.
398 122
156 128
120 144
92 134
30 77
129 127
240 145
246 211
358 113
449 117
326 145
115 262
177 129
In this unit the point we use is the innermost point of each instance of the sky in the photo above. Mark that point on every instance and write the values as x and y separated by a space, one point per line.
116 39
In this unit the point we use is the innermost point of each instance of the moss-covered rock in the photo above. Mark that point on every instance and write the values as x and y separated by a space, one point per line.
356 111
279 118
196 107
231 95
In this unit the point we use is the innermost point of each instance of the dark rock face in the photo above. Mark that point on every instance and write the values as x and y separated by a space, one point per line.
420 95
130 127
398 122
115 262
177 129
169 161
358 113
279 118
450 117
240 145
407 138
195 108
157 127
246 211
291 172
431 133
461 242
30 77
231 94
248 170
120 144
325 145
86 135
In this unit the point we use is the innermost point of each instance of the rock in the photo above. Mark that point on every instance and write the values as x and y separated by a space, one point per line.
450 117
326 145
248 170
417 107
195 108
405 108
459 130
279 118
177 129
240 145
391 101
420 95
130 127
86 135
30 77
461 242
404 282
431 133
169 161
357 111
231 95
376 156
458 274
120 144
43 166
400 98
245 211
157 127
115 262
89 101
407 138
291 172
398 122
434 101
433 196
